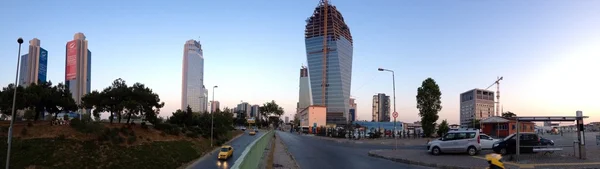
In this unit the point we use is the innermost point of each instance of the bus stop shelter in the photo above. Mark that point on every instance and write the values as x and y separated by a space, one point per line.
578 118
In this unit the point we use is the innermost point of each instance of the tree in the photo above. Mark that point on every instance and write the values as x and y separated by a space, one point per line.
509 114
270 108
59 100
37 97
95 102
443 128
429 104
6 99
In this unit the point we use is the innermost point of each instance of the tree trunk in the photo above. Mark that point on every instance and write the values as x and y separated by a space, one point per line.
112 116
129 117
119 117
37 115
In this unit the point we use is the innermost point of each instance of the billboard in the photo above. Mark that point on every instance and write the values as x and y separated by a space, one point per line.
43 64
71 65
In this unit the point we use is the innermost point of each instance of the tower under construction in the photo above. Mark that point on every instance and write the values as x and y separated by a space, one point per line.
329 56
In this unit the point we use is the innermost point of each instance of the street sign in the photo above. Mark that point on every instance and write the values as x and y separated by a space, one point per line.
395 114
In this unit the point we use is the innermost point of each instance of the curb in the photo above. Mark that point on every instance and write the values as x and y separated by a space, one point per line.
187 165
287 152
405 161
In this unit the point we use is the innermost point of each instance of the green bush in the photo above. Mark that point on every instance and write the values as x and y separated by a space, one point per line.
192 134
87 127
131 140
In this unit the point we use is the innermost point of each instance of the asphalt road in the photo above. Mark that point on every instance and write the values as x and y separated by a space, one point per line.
311 152
210 161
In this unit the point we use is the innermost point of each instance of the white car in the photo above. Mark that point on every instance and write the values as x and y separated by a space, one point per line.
465 141
486 141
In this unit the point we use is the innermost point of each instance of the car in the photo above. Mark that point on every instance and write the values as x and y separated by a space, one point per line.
487 142
225 152
546 142
252 133
509 144
460 141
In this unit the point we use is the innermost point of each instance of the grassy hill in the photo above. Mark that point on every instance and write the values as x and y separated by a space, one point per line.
98 145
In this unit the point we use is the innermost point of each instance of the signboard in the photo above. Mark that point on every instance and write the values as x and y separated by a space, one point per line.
71 66
43 64
395 114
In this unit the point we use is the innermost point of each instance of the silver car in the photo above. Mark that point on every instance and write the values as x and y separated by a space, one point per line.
460 141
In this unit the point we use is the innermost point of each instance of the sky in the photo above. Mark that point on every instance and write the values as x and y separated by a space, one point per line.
548 51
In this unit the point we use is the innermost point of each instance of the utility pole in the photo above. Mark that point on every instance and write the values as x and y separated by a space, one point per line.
12 117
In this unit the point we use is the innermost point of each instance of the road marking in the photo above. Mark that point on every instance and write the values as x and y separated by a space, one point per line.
544 164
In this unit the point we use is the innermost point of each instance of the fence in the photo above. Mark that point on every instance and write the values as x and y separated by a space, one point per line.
252 155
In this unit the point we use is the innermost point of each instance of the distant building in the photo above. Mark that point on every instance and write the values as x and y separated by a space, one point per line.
287 119
34 64
502 127
214 106
255 111
193 92
352 111
243 110
313 116
381 108
476 104
304 99
78 68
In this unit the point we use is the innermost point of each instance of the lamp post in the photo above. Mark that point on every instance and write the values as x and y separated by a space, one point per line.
12 117
212 116
394 90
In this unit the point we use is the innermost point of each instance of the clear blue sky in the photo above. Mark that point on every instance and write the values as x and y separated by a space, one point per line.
547 50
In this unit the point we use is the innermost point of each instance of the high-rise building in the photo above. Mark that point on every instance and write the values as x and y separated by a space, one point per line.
381 108
476 104
243 109
193 92
304 92
352 110
329 56
214 106
255 111
287 119
33 64
78 67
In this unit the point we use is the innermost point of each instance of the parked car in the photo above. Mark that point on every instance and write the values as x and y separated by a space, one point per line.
487 142
460 141
509 144
546 142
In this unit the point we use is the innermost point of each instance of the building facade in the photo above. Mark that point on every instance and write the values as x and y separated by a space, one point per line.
352 111
193 92
78 67
255 111
502 127
313 116
329 48
304 99
214 106
381 108
243 110
33 64
476 104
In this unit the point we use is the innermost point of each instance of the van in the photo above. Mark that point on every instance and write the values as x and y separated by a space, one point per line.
460 141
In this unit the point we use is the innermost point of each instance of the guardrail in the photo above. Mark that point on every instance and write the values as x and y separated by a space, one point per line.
252 155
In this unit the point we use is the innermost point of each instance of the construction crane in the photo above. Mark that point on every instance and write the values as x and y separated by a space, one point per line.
497 83
324 84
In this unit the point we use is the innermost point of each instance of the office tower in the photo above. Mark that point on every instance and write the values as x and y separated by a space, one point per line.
214 106
476 104
78 67
33 64
255 111
244 110
193 92
330 70
304 92
381 108
287 119
352 110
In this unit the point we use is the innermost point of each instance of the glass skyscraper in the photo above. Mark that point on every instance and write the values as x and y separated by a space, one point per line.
193 92
330 70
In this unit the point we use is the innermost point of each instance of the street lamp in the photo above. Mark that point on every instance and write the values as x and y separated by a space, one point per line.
212 116
394 90
12 120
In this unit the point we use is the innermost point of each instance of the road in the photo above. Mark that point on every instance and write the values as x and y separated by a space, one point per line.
210 161
311 152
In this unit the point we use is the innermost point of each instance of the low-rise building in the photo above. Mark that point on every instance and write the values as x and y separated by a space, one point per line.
313 116
501 127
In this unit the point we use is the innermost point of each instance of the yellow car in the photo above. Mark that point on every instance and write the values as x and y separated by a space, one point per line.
495 161
252 132
226 152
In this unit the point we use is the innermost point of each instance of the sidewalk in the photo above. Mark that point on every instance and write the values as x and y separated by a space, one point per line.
281 157
384 141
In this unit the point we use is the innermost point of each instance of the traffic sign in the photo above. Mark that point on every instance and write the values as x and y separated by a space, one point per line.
395 114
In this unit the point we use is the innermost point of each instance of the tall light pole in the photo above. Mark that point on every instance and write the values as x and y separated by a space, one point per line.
212 116
12 117
394 90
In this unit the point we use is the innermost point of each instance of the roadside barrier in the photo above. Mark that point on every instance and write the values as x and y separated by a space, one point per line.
252 155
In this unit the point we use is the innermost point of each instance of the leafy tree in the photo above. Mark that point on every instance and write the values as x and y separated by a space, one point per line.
509 114
59 100
6 99
270 108
429 104
443 128
37 97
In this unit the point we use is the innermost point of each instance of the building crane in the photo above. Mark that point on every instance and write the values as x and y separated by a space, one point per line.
497 83
324 83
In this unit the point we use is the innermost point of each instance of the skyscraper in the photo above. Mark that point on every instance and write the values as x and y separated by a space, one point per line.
304 92
193 92
214 106
243 109
329 55
78 67
352 109
33 64
255 111
381 108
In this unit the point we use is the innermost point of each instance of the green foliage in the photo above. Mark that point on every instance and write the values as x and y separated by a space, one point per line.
509 114
271 108
443 128
86 127
29 114
198 123
429 104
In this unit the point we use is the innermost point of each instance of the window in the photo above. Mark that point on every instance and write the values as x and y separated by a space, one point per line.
513 126
461 136
450 136
484 137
